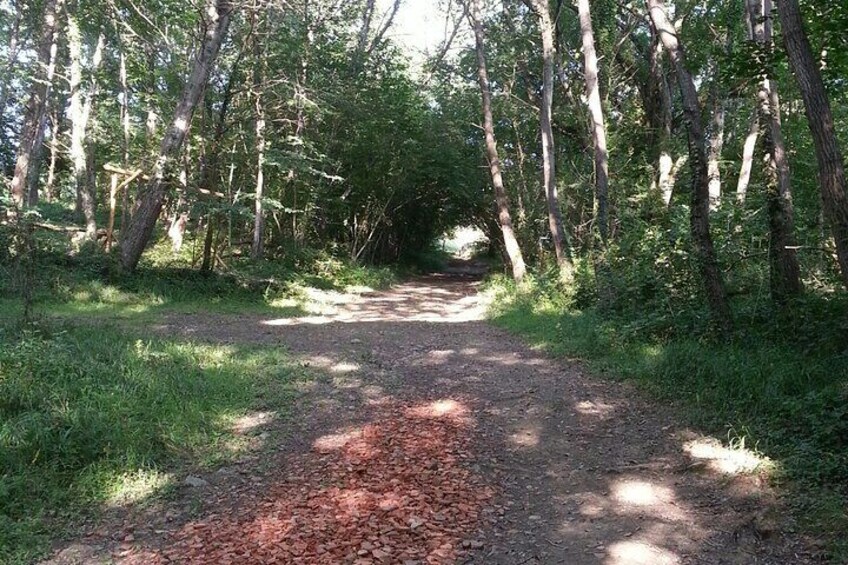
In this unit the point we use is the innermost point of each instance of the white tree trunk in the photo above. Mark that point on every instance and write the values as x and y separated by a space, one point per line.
80 108
599 131
748 158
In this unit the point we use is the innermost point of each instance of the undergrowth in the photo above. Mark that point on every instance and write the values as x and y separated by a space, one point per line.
88 421
87 282
780 382
95 413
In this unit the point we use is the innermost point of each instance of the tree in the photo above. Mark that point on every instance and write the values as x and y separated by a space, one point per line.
36 107
820 119
700 195
137 234
785 272
258 247
558 235
599 131
81 104
505 220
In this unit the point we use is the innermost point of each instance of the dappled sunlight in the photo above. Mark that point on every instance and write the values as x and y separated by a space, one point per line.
336 441
332 365
527 437
344 367
252 421
590 408
382 484
725 460
644 495
640 493
412 498
134 487
410 302
637 552
441 354
446 409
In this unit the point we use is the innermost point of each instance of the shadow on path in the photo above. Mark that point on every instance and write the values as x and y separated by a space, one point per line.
520 458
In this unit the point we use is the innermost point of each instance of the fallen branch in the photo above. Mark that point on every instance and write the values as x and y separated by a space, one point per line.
132 173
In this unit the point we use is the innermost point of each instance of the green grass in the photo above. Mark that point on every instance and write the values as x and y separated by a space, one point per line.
95 413
781 383
86 283
92 416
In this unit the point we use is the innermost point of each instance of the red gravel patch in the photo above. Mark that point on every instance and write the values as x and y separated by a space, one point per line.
397 490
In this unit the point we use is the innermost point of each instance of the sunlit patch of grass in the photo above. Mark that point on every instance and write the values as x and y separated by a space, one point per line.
92 415
136 486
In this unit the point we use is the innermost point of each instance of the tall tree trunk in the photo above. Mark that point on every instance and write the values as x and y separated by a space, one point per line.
599 132
504 218
785 273
208 240
558 235
34 175
80 112
659 108
12 60
820 120
140 228
55 124
699 217
125 140
258 247
39 94
716 146
748 157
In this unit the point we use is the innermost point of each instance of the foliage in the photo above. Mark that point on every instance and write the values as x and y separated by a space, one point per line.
779 384
87 420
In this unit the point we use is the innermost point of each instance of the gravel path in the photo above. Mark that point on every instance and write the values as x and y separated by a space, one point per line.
433 437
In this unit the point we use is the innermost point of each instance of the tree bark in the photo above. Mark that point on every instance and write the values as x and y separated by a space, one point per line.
748 158
34 174
820 119
504 219
716 146
55 125
599 132
785 273
140 228
658 106
258 247
12 60
80 112
37 104
126 127
555 222
699 218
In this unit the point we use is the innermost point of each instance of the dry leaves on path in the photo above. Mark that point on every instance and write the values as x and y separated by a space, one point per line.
397 490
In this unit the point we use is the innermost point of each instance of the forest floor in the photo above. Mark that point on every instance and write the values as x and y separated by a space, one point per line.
430 436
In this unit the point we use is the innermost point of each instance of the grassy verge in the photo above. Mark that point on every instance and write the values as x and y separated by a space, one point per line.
95 413
85 283
780 384
87 421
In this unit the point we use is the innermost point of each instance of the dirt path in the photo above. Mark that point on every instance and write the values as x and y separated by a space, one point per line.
436 438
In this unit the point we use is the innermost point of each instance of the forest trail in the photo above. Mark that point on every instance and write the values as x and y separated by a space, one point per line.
433 437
